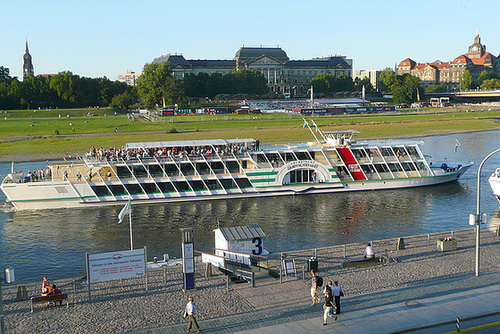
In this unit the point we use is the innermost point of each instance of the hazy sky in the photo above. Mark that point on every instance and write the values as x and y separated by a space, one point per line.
106 37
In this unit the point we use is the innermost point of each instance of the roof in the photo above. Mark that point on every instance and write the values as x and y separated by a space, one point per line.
189 143
248 53
329 61
242 232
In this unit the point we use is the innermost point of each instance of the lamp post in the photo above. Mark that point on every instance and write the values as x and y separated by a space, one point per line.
478 207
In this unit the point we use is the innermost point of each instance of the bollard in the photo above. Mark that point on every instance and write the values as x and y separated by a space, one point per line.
345 251
401 244
208 269
253 279
498 230
457 322
227 283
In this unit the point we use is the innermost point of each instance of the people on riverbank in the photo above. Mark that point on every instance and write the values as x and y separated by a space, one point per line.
191 313
314 287
45 286
337 293
327 307
369 253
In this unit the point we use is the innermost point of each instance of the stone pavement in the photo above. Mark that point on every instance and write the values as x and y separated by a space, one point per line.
393 311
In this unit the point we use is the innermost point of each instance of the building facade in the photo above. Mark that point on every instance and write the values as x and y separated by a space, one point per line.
372 75
282 74
129 78
449 73
28 70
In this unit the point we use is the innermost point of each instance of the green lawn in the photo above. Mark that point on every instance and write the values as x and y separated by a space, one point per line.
32 132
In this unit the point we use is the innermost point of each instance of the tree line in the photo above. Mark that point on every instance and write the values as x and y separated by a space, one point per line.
63 90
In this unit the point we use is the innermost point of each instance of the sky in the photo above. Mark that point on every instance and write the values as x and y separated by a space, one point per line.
104 38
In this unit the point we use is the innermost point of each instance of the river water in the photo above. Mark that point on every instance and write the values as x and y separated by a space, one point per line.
53 243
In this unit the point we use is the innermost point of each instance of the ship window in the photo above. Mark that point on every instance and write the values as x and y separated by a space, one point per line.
202 168
166 187
150 188
118 190
182 186
139 170
155 170
243 183
407 166
197 185
171 170
301 176
302 156
101 190
289 157
228 183
217 167
233 166
187 169
133 189
123 172
381 168
213 184
394 167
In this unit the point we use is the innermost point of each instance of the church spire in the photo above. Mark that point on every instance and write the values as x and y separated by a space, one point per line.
28 70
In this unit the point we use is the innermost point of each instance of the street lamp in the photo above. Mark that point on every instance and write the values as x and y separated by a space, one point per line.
478 217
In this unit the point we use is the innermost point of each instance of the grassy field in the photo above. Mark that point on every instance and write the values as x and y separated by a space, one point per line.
28 134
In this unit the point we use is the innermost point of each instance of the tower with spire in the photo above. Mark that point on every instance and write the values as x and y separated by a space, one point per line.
28 70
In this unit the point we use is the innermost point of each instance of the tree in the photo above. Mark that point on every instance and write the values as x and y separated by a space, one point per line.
435 88
4 75
490 84
156 85
124 100
386 78
465 80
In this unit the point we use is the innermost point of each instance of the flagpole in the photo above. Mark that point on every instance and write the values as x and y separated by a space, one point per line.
130 219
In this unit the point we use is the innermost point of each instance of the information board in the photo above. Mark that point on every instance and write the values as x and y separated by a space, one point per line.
116 265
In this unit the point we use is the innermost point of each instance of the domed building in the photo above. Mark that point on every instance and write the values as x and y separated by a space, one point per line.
282 74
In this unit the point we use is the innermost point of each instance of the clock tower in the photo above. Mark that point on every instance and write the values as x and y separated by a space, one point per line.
476 50
28 70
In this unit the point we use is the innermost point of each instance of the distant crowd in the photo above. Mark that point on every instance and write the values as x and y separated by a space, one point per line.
114 153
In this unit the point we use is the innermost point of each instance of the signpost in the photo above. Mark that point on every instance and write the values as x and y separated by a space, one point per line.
188 258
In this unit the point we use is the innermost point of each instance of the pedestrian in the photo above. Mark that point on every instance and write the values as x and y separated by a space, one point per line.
191 313
314 287
109 176
328 306
337 293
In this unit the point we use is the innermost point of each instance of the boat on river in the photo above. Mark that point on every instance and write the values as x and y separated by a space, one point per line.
494 181
156 172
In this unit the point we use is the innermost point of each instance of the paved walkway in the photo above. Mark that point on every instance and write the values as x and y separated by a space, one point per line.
394 311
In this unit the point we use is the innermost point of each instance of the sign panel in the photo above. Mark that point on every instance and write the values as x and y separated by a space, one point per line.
289 266
117 265
188 257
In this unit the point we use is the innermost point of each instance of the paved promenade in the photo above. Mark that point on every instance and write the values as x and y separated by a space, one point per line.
425 289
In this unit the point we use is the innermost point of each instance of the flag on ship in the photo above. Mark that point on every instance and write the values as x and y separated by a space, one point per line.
125 211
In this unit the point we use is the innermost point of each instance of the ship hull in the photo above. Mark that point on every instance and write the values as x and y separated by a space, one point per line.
47 195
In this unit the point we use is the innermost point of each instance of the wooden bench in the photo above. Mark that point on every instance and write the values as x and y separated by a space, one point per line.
359 261
50 298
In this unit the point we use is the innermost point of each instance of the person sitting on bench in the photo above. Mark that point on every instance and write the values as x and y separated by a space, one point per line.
369 253
45 286
55 291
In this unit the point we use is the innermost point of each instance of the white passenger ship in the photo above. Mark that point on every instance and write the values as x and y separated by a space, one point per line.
495 183
152 172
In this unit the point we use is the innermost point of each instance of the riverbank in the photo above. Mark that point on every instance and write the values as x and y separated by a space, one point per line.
29 157
127 307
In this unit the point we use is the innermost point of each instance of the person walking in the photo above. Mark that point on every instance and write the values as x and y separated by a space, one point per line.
337 293
314 287
191 313
328 306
